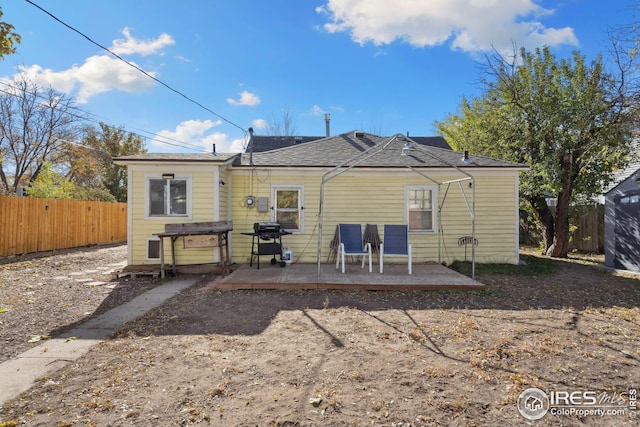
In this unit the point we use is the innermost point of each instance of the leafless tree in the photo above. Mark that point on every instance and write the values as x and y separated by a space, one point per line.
283 125
34 125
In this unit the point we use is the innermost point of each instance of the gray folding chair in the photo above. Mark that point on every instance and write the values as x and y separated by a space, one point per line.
395 242
350 243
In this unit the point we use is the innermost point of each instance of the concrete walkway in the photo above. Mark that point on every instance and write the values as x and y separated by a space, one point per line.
20 373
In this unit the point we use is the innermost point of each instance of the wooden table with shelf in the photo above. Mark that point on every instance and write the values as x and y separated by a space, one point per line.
220 229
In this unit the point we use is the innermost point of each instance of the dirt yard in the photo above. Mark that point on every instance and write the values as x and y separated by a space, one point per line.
330 358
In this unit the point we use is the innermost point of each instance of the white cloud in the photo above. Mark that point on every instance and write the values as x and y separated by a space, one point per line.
195 134
260 124
237 145
469 25
101 73
246 98
97 75
130 45
316 110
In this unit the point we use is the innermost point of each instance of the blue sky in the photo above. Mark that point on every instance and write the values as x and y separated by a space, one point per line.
378 66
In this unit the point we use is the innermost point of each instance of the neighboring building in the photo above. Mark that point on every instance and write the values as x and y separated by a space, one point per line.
622 223
312 186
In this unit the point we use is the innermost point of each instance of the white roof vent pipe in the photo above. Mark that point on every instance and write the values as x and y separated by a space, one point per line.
327 119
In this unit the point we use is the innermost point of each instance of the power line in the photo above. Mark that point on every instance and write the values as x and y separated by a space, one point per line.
86 116
138 68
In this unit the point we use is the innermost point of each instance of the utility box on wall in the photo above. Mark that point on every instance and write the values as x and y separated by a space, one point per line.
263 204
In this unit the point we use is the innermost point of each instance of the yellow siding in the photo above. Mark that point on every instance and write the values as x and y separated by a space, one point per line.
365 197
202 199
224 214
304 246
378 198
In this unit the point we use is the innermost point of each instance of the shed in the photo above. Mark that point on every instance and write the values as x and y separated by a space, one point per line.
622 224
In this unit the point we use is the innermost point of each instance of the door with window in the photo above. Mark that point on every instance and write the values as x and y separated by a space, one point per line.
288 207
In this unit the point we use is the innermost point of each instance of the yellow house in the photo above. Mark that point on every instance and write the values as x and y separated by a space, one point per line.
454 204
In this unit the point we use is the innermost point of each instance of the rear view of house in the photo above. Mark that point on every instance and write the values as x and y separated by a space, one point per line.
454 205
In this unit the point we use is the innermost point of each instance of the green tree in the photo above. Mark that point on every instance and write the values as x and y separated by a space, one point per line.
568 120
51 184
8 38
91 163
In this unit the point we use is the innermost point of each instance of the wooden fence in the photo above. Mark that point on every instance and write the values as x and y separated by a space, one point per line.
588 234
587 225
29 224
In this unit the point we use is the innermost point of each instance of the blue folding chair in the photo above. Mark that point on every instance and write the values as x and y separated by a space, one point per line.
350 243
395 242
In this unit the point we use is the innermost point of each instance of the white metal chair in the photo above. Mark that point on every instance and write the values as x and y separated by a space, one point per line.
395 242
350 243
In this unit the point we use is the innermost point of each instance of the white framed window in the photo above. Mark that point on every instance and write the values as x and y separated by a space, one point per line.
420 208
167 197
288 207
153 248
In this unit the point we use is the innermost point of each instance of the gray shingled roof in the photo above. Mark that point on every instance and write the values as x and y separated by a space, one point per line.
263 143
335 150
332 151
176 157
267 143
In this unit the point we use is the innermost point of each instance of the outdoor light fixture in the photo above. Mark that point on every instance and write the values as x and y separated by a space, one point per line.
407 148
168 176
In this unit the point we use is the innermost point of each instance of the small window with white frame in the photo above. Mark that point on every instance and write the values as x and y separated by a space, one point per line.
288 207
167 197
420 205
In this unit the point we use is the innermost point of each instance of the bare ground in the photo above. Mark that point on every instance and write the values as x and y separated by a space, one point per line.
327 358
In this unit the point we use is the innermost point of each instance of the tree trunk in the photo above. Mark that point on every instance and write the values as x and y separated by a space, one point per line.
3 179
547 222
560 246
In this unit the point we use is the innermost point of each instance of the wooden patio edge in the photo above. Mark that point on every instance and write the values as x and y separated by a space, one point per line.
342 286
425 277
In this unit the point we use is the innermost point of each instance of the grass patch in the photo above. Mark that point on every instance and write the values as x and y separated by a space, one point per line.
529 266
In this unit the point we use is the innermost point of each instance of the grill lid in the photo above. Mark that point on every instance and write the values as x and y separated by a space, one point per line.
266 227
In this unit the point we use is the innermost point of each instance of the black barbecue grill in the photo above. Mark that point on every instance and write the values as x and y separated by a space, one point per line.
267 240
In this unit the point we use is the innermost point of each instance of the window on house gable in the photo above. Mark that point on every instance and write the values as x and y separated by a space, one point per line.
420 202
288 208
168 197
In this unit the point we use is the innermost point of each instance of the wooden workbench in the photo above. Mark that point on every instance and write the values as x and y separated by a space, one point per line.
214 228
